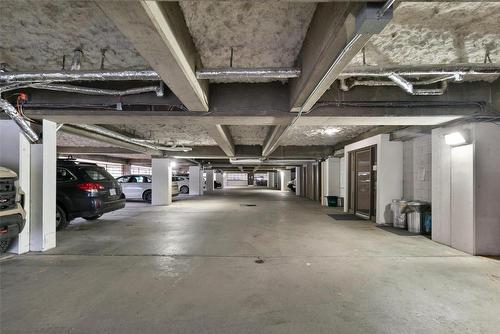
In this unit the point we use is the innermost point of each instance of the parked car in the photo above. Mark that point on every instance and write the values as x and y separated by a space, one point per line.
85 190
12 214
291 185
182 183
139 187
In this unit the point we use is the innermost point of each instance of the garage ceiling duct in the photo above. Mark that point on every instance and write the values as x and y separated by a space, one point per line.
62 76
19 119
246 73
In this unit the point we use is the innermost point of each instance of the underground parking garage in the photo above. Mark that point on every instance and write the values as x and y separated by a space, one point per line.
249 166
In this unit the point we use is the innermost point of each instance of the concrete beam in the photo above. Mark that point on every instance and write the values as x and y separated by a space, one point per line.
272 139
159 33
222 136
330 44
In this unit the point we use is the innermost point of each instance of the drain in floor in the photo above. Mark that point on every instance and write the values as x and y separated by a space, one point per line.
245 204
259 260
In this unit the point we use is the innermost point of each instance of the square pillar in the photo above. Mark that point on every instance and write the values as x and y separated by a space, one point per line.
161 181
250 178
219 178
43 162
195 180
127 169
298 176
210 180
285 176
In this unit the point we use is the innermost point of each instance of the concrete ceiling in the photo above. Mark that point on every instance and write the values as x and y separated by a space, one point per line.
437 33
36 34
304 135
262 34
248 134
177 133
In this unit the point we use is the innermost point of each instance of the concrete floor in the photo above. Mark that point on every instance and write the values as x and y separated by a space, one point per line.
189 268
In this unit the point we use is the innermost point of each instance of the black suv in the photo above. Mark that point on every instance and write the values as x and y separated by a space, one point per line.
85 190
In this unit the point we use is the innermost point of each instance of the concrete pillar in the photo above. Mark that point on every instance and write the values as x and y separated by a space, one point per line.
285 176
126 169
219 177
298 176
251 177
210 180
162 181
42 190
15 154
269 176
195 180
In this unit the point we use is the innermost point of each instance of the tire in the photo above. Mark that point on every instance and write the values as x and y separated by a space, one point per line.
184 190
4 245
61 219
147 196
92 217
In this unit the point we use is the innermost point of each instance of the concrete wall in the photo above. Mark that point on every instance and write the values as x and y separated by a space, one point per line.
484 221
389 173
417 169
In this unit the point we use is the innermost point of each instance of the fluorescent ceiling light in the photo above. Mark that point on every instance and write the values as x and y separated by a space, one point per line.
331 131
173 164
455 139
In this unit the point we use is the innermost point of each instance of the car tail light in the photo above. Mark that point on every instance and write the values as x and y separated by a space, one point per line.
90 186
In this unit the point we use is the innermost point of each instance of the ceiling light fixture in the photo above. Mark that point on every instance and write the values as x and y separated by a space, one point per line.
455 139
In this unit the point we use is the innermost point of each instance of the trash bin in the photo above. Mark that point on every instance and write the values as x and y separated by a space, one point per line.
332 200
399 208
416 212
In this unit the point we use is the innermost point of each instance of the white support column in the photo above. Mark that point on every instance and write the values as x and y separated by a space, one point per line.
219 178
325 182
43 195
210 180
298 174
195 181
127 169
269 180
162 181
286 176
15 154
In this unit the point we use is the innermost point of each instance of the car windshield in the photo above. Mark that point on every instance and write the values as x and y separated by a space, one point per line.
98 174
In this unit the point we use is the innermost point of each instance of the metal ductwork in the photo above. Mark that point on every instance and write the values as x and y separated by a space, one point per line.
19 119
96 91
247 73
401 82
64 76
148 146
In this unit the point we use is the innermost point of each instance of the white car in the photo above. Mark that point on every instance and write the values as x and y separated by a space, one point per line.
182 182
139 187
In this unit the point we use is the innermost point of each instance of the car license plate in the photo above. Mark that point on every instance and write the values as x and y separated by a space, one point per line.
112 192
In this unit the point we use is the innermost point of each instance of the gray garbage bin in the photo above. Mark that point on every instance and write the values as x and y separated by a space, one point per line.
399 213
416 214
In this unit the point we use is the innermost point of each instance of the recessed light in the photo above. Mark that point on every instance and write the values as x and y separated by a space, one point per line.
331 131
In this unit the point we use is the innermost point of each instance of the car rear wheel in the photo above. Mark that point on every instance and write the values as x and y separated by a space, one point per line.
61 219
147 196
92 217
184 190
4 245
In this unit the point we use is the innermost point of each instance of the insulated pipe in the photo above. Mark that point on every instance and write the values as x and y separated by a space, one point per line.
20 121
424 71
401 82
247 73
97 91
60 76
